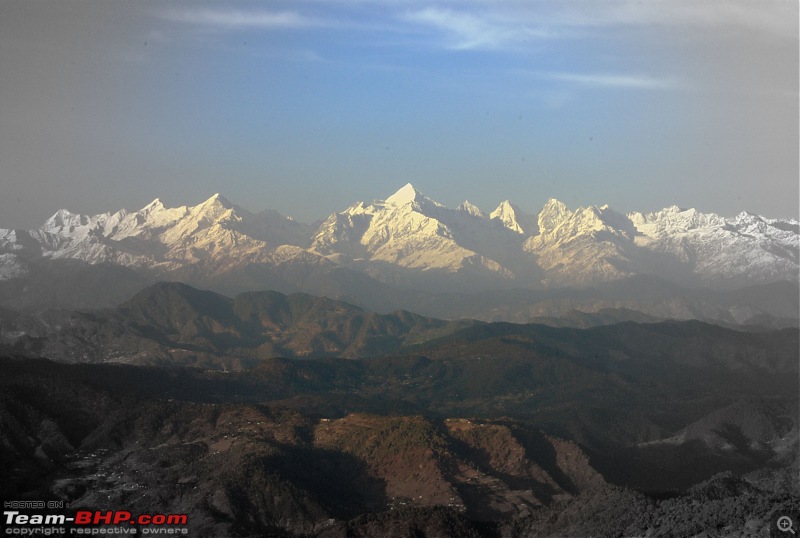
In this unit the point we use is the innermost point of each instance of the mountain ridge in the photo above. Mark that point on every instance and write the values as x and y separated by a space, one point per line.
414 245
174 323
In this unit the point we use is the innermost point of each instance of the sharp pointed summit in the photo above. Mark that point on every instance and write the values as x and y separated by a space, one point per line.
407 193
552 214
217 200
514 219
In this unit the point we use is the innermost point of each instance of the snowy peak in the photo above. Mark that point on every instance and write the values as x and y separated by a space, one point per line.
216 201
216 209
507 214
553 214
156 215
155 205
471 209
505 210
65 221
514 219
409 234
604 218
753 225
406 194
409 195
673 220
65 227
557 221
747 248
59 219
212 213
215 233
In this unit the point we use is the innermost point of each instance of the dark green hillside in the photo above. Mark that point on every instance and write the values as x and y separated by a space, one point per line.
172 323
189 312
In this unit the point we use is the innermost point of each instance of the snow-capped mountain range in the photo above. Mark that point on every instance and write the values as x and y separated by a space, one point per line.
411 240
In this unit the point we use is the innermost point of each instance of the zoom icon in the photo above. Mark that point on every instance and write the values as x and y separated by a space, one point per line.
785 525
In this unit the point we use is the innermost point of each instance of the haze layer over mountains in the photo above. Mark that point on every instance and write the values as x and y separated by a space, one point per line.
411 252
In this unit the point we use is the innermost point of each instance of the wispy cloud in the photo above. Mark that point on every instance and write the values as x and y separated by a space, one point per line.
238 19
503 24
499 24
466 30
614 80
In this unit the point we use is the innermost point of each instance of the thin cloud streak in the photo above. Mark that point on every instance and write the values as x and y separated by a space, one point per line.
469 31
501 25
608 80
566 14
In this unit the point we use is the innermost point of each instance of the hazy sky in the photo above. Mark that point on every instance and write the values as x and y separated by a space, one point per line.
307 106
